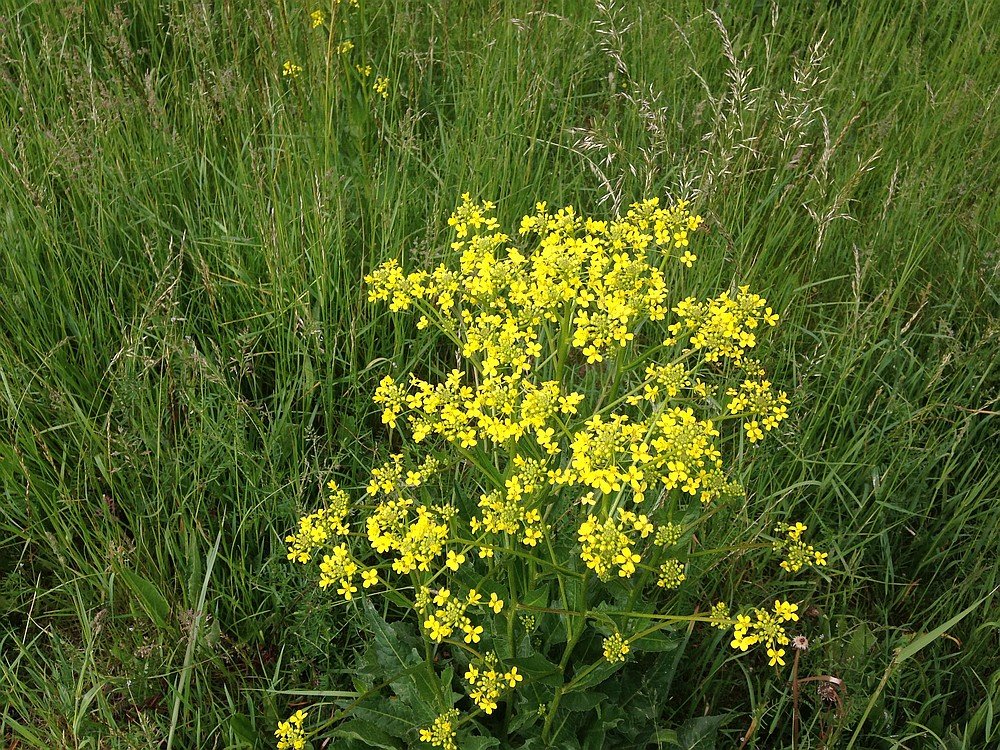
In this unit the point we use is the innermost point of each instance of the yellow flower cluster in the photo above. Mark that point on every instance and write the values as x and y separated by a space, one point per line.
290 69
667 535
443 614
719 616
339 569
507 511
671 575
500 409
616 648
471 214
675 448
722 327
756 400
765 627
316 529
393 477
417 534
608 544
290 734
662 380
489 682
442 732
381 86
595 271
317 18
570 312
797 553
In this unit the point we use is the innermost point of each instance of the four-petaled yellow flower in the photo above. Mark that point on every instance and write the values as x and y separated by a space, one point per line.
369 578
472 633
776 655
454 560
347 590
495 603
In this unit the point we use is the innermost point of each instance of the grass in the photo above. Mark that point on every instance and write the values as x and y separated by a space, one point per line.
186 351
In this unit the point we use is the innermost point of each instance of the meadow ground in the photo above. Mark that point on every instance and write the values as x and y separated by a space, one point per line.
187 351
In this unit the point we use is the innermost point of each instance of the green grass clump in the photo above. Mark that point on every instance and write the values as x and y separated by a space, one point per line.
186 349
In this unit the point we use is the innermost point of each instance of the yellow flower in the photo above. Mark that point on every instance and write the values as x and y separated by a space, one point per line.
786 610
347 590
290 69
495 603
776 655
615 648
441 733
317 18
512 677
290 734
381 86
369 578
472 633
454 560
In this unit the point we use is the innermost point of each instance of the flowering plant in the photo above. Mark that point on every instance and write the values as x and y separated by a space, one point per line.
538 519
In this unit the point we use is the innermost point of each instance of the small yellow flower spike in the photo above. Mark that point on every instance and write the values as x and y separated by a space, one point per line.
797 553
615 648
442 732
317 18
290 69
290 734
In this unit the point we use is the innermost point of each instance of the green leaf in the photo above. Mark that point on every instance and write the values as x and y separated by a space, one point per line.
656 642
581 701
699 733
479 743
539 670
368 734
601 671
153 602
243 728
389 643
922 641
537 597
